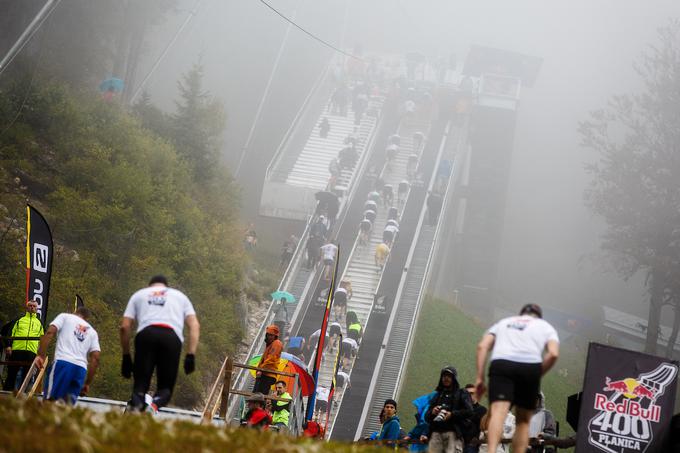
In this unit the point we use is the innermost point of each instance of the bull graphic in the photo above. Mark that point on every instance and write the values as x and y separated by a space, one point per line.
80 332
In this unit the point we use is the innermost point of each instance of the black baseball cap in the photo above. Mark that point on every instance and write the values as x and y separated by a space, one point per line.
531 309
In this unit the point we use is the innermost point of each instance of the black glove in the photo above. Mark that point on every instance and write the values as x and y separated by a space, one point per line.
126 366
189 363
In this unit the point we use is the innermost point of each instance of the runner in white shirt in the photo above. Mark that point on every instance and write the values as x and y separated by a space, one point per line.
321 404
348 349
328 253
524 347
76 356
160 313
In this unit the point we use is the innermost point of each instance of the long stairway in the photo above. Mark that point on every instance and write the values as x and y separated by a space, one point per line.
397 344
361 269
311 166
404 323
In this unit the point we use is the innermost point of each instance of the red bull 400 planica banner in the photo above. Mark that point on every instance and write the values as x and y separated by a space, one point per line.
628 400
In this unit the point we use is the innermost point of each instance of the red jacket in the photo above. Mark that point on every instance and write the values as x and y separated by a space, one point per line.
258 418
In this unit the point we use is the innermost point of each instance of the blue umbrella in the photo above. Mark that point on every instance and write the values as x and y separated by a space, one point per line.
288 297
111 84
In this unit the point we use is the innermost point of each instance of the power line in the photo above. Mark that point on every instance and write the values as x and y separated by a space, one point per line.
28 33
38 59
311 35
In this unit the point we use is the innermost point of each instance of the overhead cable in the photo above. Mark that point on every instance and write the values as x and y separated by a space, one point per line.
311 35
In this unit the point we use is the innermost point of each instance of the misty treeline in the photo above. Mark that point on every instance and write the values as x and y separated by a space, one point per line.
128 191
636 181
84 41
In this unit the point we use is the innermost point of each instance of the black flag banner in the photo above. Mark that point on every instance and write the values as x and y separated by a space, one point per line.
39 255
628 400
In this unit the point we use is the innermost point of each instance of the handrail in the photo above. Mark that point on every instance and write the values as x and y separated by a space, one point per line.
299 249
284 142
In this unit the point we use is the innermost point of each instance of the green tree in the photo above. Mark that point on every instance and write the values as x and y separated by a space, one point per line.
198 124
636 181
123 204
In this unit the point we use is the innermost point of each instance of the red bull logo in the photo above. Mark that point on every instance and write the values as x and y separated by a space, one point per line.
628 407
630 388
626 414
80 332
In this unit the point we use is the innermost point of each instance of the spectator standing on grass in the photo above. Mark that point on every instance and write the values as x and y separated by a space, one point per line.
472 423
542 425
523 348
447 413
508 432
391 427
421 432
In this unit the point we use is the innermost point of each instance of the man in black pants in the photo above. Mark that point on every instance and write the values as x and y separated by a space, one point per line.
160 313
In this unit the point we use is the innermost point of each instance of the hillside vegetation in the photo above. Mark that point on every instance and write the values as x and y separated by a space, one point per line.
127 195
64 429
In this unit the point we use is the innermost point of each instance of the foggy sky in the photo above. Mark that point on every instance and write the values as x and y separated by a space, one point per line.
588 47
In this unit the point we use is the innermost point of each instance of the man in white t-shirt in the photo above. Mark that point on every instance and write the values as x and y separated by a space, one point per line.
328 253
160 313
524 348
76 356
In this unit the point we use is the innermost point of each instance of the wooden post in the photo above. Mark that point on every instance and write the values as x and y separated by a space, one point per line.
27 379
226 387
209 405
39 379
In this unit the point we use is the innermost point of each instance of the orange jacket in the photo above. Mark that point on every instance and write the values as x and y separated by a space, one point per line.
272 355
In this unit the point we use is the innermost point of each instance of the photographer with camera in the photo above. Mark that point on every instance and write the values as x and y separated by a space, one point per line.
449 409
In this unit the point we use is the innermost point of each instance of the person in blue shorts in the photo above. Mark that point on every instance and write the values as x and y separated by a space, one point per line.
76 356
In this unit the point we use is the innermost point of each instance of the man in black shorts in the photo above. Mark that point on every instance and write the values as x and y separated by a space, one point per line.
524 348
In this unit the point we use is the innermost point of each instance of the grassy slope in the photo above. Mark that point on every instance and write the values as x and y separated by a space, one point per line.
33 426
446 336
